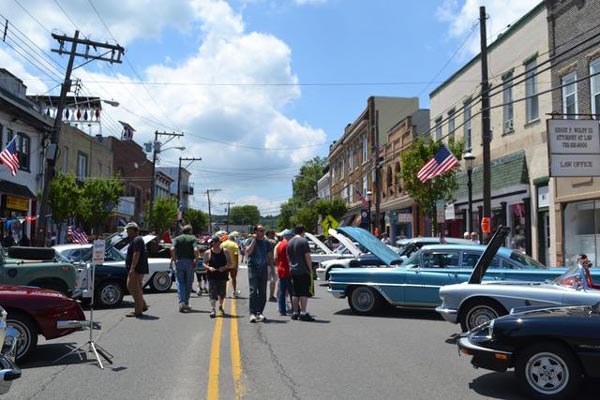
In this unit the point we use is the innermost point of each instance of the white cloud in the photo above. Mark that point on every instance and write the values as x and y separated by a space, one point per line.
244 113
463 18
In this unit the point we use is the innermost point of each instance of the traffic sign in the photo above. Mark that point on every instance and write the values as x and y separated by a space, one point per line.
329 223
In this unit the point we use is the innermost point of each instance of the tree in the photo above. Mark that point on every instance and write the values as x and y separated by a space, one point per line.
64 198
439 188
244 215
308 217
336 208
287 211
164 213
305 183
98 200
197 219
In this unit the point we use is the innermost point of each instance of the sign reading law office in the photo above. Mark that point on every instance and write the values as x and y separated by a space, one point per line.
17 203
574 147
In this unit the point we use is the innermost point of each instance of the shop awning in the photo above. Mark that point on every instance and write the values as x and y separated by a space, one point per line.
15 189
506 172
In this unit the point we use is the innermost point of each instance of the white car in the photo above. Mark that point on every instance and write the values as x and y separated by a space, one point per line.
326 266
159 278
324 253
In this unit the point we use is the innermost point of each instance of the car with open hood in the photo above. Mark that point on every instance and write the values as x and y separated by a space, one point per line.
324 253
476 301
550 348
416 283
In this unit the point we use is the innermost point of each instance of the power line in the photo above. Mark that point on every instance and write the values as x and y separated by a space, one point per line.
67 15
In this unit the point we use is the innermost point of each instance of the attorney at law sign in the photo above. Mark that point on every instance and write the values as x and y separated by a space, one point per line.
574 147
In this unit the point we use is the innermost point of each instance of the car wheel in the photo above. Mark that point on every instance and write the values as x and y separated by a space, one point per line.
548 371
364 300
109 294
161 282
477 312
28 333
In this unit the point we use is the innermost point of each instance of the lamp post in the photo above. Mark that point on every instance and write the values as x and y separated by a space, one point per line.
369 200
469 158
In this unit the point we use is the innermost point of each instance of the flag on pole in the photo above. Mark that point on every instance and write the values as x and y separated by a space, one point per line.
442 162
363 200
10 157
77 235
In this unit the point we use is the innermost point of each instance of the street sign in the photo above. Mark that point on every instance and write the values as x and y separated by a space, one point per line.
574 147
329 223
98 252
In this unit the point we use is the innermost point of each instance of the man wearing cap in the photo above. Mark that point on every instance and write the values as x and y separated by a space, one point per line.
185 254
136 262
260 258
234 253
283 270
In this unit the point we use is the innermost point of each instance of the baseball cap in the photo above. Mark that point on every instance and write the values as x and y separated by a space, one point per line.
286 233
214 239
132 225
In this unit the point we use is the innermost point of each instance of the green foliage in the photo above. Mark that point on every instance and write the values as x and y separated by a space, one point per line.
98 200
305 183
244 215
198 220
64 197
439 188
164 213
269 221
336 208
306 216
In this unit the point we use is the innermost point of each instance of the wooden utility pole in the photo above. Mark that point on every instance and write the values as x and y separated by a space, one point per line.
228 203
112 55
208 192
191 159
485 123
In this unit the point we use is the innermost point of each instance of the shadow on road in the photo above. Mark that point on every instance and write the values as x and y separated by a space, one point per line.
46 354
393 312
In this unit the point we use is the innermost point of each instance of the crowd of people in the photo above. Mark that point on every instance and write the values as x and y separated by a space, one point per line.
280 261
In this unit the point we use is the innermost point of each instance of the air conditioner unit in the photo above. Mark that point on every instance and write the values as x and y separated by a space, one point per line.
508 125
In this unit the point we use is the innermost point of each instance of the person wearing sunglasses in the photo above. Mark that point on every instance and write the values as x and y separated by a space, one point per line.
260 259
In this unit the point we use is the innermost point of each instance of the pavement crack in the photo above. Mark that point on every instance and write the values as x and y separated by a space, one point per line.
285 376
45 385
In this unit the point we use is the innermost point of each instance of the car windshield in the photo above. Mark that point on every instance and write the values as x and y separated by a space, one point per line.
526 261
412 261
572 278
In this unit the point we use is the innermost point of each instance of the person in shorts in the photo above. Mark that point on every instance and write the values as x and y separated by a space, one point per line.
234 252
300 262
217 262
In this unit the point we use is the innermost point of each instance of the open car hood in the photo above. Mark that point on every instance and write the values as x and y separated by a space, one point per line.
371 243
355 251
488 254
319 244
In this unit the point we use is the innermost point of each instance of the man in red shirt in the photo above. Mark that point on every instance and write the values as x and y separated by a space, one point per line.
283 271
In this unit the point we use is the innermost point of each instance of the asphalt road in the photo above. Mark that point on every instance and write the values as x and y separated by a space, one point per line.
168 355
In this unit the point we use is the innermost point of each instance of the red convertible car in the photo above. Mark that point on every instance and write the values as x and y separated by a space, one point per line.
34 311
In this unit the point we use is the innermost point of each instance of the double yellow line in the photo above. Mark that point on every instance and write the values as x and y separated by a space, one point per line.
212 392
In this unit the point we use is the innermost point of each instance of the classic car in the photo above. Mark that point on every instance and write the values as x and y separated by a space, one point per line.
408 246
416 283
36 266
551 349
476 302
8 345
159 279
33 311
324 253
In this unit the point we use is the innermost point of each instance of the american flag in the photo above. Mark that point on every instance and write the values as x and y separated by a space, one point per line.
77 235
442 162
365 203
10 157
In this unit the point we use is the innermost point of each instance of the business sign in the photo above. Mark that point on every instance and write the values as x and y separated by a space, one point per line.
17 203
99 248
574 147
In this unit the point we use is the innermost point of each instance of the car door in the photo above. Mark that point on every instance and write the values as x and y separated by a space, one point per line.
437 268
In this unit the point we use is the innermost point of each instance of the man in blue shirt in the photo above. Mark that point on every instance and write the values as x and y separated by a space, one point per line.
260 259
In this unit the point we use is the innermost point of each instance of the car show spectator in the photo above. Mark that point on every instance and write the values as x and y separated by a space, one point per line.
260 259
270 234
217 262
234 253
136 262
283 271
184 254
298 252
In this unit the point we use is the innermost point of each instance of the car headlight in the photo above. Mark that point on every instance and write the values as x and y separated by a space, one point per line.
483 332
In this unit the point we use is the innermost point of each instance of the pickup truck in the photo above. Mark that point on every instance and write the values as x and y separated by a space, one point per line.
36 266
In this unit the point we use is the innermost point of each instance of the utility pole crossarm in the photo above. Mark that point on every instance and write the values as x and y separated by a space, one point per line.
192 159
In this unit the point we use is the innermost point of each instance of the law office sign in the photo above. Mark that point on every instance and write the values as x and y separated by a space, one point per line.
573 147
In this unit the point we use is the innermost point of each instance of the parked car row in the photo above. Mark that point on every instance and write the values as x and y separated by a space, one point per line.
517 313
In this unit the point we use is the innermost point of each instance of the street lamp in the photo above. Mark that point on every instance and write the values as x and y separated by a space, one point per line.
369 200
469 158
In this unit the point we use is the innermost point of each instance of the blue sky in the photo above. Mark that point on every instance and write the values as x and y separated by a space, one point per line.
204 64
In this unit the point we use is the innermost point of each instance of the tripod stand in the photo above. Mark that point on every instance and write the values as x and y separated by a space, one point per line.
92 347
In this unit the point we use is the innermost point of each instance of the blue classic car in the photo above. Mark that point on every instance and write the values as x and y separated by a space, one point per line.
417 281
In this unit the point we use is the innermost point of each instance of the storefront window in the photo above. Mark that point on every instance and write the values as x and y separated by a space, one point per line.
518 240
581 231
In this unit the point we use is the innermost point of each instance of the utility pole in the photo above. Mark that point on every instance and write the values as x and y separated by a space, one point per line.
113 55
208 192
228 203
156 150
485 124
191 159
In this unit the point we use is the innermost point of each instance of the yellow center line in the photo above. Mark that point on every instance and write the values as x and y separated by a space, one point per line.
236 362
212 392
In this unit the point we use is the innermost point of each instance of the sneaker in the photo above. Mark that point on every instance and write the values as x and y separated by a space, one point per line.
221 311
306 317
294 316
133 314
273 299
182 307
187 307
213 313
261 318
252 318
283 314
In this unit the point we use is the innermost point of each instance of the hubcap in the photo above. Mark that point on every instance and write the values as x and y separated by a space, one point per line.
480 315
24 337
547 373
363 299
162 281
110 294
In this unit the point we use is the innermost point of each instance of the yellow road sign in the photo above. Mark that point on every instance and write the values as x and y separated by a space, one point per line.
329 223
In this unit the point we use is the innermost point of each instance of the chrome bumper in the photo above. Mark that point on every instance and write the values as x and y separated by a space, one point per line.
338 294
448 314
72 324
320 274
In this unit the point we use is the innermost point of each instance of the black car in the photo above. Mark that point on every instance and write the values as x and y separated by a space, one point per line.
551 349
